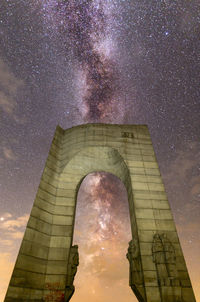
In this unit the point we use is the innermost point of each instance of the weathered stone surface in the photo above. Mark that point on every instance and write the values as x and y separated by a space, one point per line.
45 267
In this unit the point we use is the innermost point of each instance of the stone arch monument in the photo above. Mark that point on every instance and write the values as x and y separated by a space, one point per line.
47 261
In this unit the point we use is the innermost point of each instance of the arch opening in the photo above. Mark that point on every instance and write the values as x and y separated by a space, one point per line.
102 231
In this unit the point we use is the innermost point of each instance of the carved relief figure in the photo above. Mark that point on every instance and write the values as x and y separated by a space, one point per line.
72 269
159 259
165 260
135 275
170 258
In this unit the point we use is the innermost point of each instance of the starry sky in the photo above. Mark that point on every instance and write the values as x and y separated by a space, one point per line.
115 61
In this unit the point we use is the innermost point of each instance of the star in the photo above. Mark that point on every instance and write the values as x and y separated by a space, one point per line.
111 61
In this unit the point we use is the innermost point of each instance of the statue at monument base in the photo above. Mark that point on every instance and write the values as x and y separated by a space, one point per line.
164 258
72 269
135 271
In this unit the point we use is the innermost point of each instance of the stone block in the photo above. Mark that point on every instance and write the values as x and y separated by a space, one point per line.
152 294
143 203
146 248
138 194
37 237
142 186
58 253
151 171
138 178
41 214
147 235
146 224
182 272
134 152
147 263
150 278
188 295
50 180
147 152
64 210
18 294
46 196
34 249
154 179
60 242
53 165
65 201
61 230
39 225
156 187
143 141
135 164
27 279
66 193
158 195
160 204
57 267
67 185
51 173
137 171
44 205
30 263
145 146
165 225
162 214
135 158
62 220
150 165
148 158
71 177
47 187
144 213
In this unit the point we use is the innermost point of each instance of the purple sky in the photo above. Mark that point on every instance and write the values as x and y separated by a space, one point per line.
73 62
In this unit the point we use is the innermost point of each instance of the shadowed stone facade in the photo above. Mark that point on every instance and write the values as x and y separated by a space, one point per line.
47 261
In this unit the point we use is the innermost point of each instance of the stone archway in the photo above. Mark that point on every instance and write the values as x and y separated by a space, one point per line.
157 267
108 159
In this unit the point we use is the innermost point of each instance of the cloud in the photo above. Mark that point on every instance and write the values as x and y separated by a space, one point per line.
17 235
7 104
13 224
6 265
6 215
8 153
9 86
11 233
6 242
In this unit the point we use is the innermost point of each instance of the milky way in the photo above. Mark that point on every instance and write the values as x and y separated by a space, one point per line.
102 208
84 22
84 27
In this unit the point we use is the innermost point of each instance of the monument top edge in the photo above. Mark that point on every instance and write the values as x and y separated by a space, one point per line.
103 125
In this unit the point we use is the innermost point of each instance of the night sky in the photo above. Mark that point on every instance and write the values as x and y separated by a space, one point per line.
115 61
